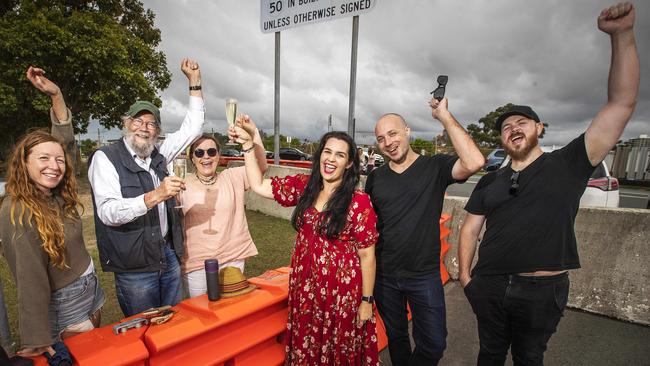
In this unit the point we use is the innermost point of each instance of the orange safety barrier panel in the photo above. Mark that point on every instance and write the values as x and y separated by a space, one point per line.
444 246
242 330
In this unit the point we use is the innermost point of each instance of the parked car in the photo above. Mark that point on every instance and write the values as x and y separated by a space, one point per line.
269 154
494 160
230 152
290 153
602 188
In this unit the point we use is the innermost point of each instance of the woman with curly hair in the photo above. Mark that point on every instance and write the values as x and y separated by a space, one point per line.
42 238
333 263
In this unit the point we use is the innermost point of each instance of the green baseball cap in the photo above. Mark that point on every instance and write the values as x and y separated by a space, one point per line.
144 105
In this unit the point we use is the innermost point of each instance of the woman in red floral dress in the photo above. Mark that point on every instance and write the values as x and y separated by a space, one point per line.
331 318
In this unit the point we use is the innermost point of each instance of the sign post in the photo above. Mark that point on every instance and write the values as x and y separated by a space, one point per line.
278 15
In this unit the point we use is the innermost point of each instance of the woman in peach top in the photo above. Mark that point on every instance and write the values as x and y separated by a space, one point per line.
214 215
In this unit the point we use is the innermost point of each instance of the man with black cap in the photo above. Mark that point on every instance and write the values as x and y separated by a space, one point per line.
139 232
520 285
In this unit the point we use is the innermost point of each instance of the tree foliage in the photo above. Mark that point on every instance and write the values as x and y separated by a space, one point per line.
484 133
101 53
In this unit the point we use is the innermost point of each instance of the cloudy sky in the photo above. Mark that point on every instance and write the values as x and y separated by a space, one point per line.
548 54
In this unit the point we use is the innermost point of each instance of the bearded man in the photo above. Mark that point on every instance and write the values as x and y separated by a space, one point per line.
520 284
139 232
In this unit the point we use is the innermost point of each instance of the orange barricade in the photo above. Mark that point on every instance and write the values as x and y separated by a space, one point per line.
444 246
243 330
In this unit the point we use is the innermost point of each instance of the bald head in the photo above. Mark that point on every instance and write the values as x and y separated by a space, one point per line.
393 119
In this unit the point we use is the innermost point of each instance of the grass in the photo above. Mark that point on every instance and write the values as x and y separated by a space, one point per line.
274 238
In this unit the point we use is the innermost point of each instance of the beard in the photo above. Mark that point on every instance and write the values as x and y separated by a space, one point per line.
142 149
519 154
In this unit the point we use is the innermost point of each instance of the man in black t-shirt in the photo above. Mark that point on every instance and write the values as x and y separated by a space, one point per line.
519 286
407 194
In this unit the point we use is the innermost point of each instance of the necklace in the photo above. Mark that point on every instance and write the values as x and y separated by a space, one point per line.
207 182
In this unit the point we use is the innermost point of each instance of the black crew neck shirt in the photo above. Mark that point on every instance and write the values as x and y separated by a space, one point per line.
532 229
408 207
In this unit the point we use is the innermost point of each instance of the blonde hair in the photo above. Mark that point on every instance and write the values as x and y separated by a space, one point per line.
34 204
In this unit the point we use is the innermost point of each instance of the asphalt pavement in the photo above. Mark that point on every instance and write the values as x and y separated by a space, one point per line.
582 339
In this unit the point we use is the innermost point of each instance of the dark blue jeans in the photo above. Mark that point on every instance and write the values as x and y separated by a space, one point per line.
516 311
426 298
139 291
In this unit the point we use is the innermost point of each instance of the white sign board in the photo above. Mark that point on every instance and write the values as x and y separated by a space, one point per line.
278 15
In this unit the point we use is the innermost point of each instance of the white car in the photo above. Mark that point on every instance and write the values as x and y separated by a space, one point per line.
602 188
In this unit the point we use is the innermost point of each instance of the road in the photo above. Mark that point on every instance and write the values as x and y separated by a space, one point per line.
629 197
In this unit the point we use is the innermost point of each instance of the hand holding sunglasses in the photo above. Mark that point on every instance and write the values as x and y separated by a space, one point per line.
439 92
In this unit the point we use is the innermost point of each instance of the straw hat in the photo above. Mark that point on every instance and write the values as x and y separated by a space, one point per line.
233 283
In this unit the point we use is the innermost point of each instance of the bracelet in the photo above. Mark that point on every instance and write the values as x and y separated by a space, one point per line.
248 150
195 87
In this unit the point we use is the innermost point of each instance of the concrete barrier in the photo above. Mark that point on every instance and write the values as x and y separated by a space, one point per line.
614 248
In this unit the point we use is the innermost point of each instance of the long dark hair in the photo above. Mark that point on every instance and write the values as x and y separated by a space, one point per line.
335 214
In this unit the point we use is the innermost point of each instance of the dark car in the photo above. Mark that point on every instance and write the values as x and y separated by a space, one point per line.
289 153
494 160
230 152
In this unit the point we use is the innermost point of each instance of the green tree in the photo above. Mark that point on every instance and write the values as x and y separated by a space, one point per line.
101 53
418 144
87 146
484 133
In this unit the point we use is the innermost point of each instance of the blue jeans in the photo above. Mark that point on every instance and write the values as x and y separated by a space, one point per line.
139 291
426 299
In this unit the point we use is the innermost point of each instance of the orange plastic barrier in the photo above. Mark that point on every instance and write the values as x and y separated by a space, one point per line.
224 160
444 246
239 331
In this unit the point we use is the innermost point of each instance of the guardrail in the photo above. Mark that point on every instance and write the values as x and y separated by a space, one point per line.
224 160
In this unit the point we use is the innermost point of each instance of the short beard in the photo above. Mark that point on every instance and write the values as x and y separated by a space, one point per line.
143 150
525 150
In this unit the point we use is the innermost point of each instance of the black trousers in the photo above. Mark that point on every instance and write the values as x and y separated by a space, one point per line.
516 311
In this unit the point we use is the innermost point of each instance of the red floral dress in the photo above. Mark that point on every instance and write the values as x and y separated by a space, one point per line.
325 285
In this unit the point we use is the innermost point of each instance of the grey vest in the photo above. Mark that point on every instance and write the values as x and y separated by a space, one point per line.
136 246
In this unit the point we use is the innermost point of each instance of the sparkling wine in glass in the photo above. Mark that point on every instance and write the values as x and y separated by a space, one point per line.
180 170
231 114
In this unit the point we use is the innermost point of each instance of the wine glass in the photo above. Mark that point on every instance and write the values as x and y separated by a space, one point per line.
180 170
231 114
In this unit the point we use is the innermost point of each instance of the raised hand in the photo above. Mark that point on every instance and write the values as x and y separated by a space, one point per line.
244 121
239 135
37 77
170 187
192 70
438 108
616 18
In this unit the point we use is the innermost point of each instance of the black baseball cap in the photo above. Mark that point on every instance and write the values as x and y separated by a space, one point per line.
516 110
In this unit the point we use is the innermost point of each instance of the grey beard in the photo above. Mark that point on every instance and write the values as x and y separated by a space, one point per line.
142 150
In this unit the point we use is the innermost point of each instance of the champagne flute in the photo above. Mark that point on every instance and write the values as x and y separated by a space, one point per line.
231 114
180 170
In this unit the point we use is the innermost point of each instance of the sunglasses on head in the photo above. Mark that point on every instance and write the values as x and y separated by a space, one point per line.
212 152
514 183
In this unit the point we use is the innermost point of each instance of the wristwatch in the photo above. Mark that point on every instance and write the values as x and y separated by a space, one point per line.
369 299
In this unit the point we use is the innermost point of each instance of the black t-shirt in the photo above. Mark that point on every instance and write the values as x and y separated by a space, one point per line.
408 207
532 230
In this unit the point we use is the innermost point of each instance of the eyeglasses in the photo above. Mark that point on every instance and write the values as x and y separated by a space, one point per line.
212 152
139 122
514 183
439 92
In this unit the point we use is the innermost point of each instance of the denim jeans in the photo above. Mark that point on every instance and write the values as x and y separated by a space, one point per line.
139 291
426 299
75 303
516 311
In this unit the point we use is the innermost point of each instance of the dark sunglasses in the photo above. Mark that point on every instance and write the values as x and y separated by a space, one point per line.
439 92
212 152
514 183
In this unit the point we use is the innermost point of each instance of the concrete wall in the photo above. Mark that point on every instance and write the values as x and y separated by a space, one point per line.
614 247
